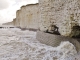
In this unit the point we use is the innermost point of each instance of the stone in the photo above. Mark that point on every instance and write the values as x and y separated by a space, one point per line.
64 13
55 40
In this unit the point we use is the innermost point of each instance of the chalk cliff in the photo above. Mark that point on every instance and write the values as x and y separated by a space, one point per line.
65 14
28 16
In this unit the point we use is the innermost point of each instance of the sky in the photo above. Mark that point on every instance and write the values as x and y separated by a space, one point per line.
8 8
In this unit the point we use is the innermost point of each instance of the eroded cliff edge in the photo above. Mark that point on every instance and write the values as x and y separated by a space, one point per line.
27 17
65 14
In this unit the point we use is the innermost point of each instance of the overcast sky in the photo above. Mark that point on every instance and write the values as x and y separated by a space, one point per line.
8 8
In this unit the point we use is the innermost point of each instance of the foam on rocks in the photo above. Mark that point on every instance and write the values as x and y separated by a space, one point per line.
22 45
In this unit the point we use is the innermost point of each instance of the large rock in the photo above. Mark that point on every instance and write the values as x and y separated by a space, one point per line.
55 40
64 13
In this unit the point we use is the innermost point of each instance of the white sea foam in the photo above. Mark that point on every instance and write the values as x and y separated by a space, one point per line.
22 45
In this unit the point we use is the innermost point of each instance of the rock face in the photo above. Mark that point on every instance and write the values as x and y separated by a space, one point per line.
65 14
14 22
28 16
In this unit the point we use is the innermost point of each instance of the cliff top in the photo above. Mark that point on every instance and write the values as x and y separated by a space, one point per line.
29 5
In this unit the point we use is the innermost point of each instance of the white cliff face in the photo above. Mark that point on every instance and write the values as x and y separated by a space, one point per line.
28 16
64 13
22 45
